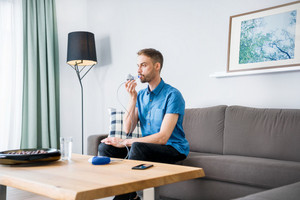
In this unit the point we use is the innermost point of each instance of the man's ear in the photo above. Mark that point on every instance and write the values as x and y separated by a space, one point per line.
157 66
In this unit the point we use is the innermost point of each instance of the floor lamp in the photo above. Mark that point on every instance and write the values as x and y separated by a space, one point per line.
81 53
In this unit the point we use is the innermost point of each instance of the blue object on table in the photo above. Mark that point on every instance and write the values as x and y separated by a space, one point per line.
99 160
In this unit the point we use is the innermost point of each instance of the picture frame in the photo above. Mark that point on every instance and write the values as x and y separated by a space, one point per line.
263 39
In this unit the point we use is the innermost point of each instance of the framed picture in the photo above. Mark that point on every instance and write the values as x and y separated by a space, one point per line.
268 38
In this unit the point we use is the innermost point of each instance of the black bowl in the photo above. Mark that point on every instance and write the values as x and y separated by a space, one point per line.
13 157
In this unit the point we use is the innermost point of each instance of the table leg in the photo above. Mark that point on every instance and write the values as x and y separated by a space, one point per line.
148 194
3 192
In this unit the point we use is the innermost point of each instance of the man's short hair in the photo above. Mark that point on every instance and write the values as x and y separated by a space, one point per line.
155 55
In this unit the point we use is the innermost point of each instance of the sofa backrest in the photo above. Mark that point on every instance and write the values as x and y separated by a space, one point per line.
204 127
267 133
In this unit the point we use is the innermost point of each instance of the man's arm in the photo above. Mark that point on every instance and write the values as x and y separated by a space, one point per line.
131 117
162 137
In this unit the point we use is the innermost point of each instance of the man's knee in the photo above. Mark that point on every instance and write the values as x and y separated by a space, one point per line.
137 151
111 151
137 145
103 149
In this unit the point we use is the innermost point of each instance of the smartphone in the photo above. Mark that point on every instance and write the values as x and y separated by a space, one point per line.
142 166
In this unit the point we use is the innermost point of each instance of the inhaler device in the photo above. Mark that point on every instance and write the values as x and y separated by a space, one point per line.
130 77
99 160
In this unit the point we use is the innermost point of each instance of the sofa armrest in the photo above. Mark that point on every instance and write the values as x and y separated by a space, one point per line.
93 142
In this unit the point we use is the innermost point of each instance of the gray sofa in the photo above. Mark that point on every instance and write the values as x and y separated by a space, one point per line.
243 151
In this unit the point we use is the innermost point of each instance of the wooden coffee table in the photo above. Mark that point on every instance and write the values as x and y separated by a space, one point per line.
78 179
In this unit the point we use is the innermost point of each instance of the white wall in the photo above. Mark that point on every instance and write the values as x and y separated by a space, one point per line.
71 16
193 37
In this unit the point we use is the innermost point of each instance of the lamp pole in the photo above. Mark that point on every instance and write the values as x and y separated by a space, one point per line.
78 71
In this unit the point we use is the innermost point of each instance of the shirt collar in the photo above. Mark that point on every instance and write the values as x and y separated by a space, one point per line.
158 88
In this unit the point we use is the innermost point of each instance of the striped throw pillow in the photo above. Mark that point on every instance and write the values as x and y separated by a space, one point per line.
116 125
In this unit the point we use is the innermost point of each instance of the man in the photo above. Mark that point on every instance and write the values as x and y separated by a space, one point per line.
160 110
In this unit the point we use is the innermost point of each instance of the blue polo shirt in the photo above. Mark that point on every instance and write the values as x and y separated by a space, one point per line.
152 107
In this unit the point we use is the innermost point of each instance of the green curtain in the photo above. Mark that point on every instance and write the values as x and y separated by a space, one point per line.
40 118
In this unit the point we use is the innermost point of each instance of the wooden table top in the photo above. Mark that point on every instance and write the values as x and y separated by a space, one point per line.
78 179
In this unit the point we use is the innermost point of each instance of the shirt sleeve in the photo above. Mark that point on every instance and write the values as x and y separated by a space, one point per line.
175 103
138 99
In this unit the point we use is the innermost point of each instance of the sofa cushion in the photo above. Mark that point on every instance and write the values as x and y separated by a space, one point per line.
265 133
204 128
257 172
203 189
287 192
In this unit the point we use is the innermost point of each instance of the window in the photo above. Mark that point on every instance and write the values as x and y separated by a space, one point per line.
11 73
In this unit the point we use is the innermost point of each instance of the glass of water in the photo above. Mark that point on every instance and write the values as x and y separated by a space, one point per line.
66 148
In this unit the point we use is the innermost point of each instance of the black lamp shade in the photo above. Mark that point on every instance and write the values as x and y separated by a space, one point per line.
81 49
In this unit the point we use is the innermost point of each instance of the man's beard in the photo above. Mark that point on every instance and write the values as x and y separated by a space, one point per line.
143 79
147 78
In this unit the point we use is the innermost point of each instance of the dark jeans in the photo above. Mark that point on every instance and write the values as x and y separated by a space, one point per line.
143 151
